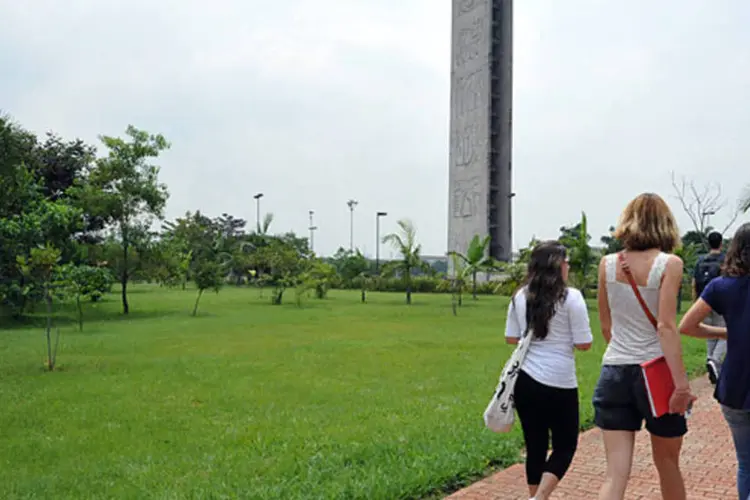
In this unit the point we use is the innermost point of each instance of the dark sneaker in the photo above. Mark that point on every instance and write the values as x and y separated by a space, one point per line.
713 371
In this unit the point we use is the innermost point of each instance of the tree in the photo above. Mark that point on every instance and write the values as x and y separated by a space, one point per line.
282 264
702 203
611 244
124 189
476 260
318 277
39 270
581 256
458 282
405 243
28 221
349 265
263 227
82 283
515 271
208 274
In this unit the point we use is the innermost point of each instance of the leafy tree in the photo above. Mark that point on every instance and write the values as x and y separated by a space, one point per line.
39 270
318 277
405 243
27 221
283 264
581 255
208 274
476 260
123 189
515 272
82 283
350 265
202 246
611 244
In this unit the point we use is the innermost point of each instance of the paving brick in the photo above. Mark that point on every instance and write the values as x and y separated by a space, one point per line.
708 464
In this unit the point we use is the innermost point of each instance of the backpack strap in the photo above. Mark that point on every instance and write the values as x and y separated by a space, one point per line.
629 275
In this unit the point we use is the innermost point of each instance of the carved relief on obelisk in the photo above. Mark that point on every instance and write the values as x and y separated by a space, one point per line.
469 122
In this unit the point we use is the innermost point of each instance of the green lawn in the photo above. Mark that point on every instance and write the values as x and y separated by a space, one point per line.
332 400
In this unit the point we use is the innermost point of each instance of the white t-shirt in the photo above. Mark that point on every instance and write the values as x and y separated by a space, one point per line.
551 361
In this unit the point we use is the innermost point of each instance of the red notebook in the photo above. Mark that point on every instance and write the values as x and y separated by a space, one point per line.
659 385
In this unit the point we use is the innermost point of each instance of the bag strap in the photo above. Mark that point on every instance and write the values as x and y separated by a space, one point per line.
629 275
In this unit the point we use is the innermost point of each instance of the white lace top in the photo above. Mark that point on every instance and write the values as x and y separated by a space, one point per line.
634 338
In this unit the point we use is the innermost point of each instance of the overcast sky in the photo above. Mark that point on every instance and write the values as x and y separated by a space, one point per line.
315 102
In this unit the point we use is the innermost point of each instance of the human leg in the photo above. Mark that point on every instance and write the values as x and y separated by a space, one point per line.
564 428
739 425
616 413
666 455
618 448
529 397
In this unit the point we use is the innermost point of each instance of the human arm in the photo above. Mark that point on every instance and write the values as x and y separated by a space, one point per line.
669 337
692 323
512 325
578 318
605 315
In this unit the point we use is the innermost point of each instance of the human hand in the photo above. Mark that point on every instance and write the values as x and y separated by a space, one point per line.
681 401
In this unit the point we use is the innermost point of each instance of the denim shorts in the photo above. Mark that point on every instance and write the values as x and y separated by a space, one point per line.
621 404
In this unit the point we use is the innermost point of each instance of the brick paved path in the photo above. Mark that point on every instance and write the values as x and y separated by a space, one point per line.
708 464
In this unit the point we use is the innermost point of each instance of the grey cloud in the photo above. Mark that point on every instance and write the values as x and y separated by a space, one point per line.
314 103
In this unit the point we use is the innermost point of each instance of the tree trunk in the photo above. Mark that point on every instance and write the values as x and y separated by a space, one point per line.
195 307
474 285
124 277
364 296
454 303
80 313
407 277
50 359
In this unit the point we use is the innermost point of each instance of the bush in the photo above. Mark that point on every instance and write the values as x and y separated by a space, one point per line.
419 284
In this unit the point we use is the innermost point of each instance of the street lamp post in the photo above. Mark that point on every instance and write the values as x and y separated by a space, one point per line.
352 205
378 215
312 230
257 209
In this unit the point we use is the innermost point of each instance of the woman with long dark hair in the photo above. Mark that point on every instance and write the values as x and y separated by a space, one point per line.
729 296
546 392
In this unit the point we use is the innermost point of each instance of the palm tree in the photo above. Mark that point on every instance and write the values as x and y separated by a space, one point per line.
460 272
405 243
476 260
266 224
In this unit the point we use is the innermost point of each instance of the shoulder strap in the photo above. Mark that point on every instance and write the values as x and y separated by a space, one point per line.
631 280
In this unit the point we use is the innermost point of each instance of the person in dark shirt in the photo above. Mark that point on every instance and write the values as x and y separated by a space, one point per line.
729 296
706 269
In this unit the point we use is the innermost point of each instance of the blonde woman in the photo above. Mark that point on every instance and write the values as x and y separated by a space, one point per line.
649 234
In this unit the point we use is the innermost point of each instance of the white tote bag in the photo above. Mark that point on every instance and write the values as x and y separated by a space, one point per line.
500 413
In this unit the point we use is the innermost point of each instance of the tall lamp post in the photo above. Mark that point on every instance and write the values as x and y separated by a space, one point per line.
257 209
352 205
378 215
312 230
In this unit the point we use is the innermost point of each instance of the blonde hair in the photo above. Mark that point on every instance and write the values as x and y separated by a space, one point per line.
647 222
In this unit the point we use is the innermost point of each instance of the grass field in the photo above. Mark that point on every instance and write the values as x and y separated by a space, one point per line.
332 400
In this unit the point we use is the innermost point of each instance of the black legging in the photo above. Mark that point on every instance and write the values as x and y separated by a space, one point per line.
543 410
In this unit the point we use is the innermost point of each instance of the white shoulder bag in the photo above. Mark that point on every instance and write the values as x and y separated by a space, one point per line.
500 413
